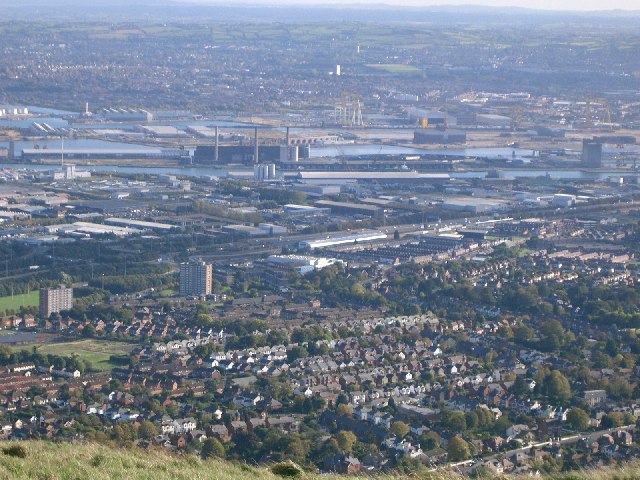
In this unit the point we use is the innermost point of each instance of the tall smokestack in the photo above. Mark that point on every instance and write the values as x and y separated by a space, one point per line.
287 139
215 152
255 151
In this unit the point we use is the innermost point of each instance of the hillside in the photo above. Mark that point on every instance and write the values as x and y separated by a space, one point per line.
53 461
49 460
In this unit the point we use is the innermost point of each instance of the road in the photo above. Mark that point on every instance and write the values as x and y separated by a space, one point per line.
591 437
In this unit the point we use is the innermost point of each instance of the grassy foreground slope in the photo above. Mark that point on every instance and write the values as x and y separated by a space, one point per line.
67 461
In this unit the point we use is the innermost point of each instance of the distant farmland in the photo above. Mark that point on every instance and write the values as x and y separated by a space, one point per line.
394 67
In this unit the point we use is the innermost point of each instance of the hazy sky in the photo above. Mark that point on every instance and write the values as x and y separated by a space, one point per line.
537 4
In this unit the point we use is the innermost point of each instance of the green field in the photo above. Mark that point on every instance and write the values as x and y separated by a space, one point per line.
14 303
167 293
394 67
95 351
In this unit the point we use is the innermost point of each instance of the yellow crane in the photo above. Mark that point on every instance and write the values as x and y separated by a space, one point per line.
590 102
351 110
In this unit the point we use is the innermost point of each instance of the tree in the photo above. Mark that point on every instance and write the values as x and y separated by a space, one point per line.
295 352
612 420
472 420
486 418
203 320
399 429
343 410
620 389
429 440
293 448
458 450
611 347
346 440
578 419
147 430
124 432
172 410
520 387
557 387
552 327
88 331
212 448
454 420
522 333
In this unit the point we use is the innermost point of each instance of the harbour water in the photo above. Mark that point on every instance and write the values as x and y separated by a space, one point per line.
360 149
316 151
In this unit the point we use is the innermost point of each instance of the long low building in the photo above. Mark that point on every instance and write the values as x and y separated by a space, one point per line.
332 241
436 136
162 131
88 229
301 263
30 154
305 210
348 208
474 204
375 177
127 222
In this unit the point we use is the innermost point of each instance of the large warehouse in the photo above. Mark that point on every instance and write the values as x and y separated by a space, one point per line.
339 178
433 136
334 241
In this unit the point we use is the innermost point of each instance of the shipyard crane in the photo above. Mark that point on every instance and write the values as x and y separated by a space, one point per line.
351 110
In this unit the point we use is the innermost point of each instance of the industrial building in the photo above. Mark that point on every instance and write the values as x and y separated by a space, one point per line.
162 131
206 154
68 172
264 171
36 154
195 279
293 210
110 207
473 233
201 131
425 248
262 230
473 204
563 200
127 222
276 270
333 241
54 300
301 263
348 208
428 136
430 117
591 154
88 229
317 190
9 111
125 115
493 120
340 178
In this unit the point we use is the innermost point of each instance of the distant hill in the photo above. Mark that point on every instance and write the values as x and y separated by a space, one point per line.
189 10
90 461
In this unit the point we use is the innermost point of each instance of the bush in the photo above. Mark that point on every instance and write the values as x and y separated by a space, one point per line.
15 451
287 469
97 460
